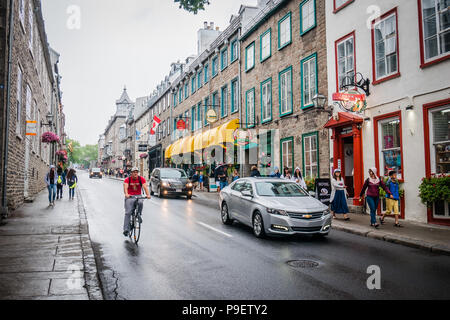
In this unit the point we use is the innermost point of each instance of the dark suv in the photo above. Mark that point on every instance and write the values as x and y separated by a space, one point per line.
168 181
95 173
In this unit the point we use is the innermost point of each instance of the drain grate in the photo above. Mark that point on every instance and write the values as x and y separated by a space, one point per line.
303 264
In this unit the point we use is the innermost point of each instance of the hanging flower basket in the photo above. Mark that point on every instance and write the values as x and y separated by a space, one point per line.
114 161
144 156
49 137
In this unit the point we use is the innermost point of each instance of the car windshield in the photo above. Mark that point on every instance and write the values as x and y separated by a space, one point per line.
279 189
173 174
96 170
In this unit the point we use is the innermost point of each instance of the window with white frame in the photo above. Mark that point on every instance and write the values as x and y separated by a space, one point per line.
234 96
436 28
308 15
385 46
309 80
287 153
19 101
285 86
265 45
31 28
266 100
250 107
345 61
22 12
390 157
440 140
284 31
310 155
250 57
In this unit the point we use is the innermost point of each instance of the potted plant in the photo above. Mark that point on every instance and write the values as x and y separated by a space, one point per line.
435 189
50 137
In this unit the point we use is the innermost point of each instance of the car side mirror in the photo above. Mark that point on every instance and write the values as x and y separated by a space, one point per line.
247 193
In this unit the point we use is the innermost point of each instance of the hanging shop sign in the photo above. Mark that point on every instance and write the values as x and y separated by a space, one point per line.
143 148
243 137
181 125
211 116
31 128
351 101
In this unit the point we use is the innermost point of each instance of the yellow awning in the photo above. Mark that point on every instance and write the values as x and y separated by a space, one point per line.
224 133
187 145
168 153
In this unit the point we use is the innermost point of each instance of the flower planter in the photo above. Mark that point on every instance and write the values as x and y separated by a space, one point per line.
50 137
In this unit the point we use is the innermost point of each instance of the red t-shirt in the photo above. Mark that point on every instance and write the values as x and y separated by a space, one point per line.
134 187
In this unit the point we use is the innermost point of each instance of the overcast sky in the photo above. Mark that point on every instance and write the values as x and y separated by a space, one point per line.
120 43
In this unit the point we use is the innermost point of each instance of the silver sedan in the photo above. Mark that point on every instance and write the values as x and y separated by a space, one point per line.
274 206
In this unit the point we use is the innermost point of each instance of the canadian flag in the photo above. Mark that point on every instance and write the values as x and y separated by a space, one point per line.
156 122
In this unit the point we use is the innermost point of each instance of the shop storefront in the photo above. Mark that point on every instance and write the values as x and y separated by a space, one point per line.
155 158
436 117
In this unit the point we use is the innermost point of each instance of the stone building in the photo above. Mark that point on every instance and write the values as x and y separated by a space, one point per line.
29 88
115 133
284 70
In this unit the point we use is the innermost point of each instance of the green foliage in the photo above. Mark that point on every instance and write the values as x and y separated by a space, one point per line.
82 154
434 189
311 184
192 5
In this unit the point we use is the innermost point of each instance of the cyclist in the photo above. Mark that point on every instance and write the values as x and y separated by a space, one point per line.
132 187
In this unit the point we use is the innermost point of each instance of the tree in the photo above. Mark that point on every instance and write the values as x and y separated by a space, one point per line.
82 155
192 5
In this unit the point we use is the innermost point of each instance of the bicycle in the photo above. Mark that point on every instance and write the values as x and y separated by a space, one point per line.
136 222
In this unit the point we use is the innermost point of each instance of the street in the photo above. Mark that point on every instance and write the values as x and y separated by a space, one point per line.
185 252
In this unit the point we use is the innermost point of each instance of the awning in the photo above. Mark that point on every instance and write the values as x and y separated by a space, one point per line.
213 137
345 119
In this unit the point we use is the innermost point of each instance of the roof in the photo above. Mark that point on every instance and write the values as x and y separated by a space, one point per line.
124 99
345 118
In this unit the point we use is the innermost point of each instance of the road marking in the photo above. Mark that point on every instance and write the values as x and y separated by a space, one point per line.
214 229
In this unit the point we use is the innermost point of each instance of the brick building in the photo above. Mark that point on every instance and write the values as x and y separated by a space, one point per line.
29 92
284 67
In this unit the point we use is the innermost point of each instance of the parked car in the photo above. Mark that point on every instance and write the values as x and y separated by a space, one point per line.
274 207
95 173
169 181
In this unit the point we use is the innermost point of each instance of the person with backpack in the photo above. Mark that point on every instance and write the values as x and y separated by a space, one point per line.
133 186
61 181
50 180
72 180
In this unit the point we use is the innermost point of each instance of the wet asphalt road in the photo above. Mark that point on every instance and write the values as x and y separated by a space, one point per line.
186 253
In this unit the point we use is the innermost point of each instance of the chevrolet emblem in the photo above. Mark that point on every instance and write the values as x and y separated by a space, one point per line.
307 216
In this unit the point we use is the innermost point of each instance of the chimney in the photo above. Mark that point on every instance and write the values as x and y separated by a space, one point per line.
217 28
205 25
212 25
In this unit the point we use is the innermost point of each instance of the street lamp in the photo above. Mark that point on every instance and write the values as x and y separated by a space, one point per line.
319 101
49 117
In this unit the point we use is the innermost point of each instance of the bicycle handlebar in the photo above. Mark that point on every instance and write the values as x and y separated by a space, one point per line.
138 197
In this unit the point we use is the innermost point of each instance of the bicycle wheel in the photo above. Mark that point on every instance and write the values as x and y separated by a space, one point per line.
130 234
137 229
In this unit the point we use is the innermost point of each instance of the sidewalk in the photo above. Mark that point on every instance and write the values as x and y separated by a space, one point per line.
416 235
46 253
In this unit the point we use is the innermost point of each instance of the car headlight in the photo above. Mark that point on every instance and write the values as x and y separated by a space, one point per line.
277 212
326 212
164 184
189 185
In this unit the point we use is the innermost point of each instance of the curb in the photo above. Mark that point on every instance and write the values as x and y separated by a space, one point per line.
91 277
377 235
397 239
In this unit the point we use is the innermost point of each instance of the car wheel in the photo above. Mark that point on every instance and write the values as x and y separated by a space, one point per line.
160 195
258 225
189 197
225 216
151 191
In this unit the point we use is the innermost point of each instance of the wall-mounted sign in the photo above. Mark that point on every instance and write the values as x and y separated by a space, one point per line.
31 129
243 137
211 116
352 101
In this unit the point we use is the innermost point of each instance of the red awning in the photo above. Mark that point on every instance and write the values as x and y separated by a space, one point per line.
345 119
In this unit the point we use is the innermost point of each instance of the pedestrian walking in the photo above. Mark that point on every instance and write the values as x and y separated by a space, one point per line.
50 180
372 185
72 181
392 203
60 182
286 174
297 177
223 177
195 178
201 179
255 172
235 175
276 173
339 195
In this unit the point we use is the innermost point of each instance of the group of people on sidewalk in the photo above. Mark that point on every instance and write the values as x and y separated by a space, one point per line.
56 179
372 185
